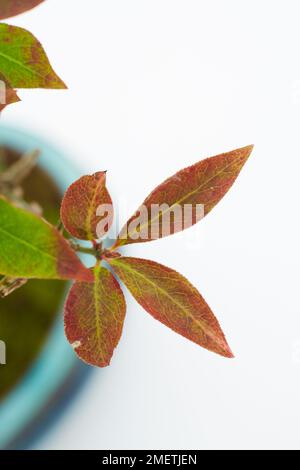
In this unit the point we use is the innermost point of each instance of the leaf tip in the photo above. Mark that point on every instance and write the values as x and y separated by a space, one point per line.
61 85
246 151
230 354
225 350
101 176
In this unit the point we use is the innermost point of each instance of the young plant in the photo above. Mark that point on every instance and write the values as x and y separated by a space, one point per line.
95 308
23 61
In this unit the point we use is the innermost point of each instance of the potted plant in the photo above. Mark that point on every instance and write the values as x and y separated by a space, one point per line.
34 246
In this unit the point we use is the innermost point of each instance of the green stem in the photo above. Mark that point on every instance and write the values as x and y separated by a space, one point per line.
83 249
96 250
88 251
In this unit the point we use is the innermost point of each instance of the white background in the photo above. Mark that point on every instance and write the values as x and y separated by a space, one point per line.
153 87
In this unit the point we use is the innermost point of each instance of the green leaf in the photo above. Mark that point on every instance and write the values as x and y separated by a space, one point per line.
94 317
80 207
171 299
10 8
23 60
31 248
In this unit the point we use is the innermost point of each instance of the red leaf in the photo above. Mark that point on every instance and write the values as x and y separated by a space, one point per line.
94 317
10 8
69 265
190 194
171 299
80 204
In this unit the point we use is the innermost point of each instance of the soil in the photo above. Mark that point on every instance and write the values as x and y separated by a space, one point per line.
27 315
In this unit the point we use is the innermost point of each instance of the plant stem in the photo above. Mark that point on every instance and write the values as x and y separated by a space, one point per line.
9 285
17 172
88 251
96 250
82 249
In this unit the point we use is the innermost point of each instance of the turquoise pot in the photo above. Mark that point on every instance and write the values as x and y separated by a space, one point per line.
43 390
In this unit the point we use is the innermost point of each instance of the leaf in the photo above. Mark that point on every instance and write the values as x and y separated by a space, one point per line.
23 60
184 198
32 248
80 206
10 8
94 317
172 300
7 94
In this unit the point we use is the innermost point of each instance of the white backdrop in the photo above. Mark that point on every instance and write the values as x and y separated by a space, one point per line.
153 87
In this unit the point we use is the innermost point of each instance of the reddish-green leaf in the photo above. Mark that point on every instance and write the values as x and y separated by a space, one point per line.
7 94
185 198
171 299
94 317
86 209
31 248
23 60
10 8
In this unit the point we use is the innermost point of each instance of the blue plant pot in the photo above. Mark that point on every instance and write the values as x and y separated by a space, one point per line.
45 389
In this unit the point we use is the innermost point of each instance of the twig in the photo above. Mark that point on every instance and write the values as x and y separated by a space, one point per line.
9 285
16 173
